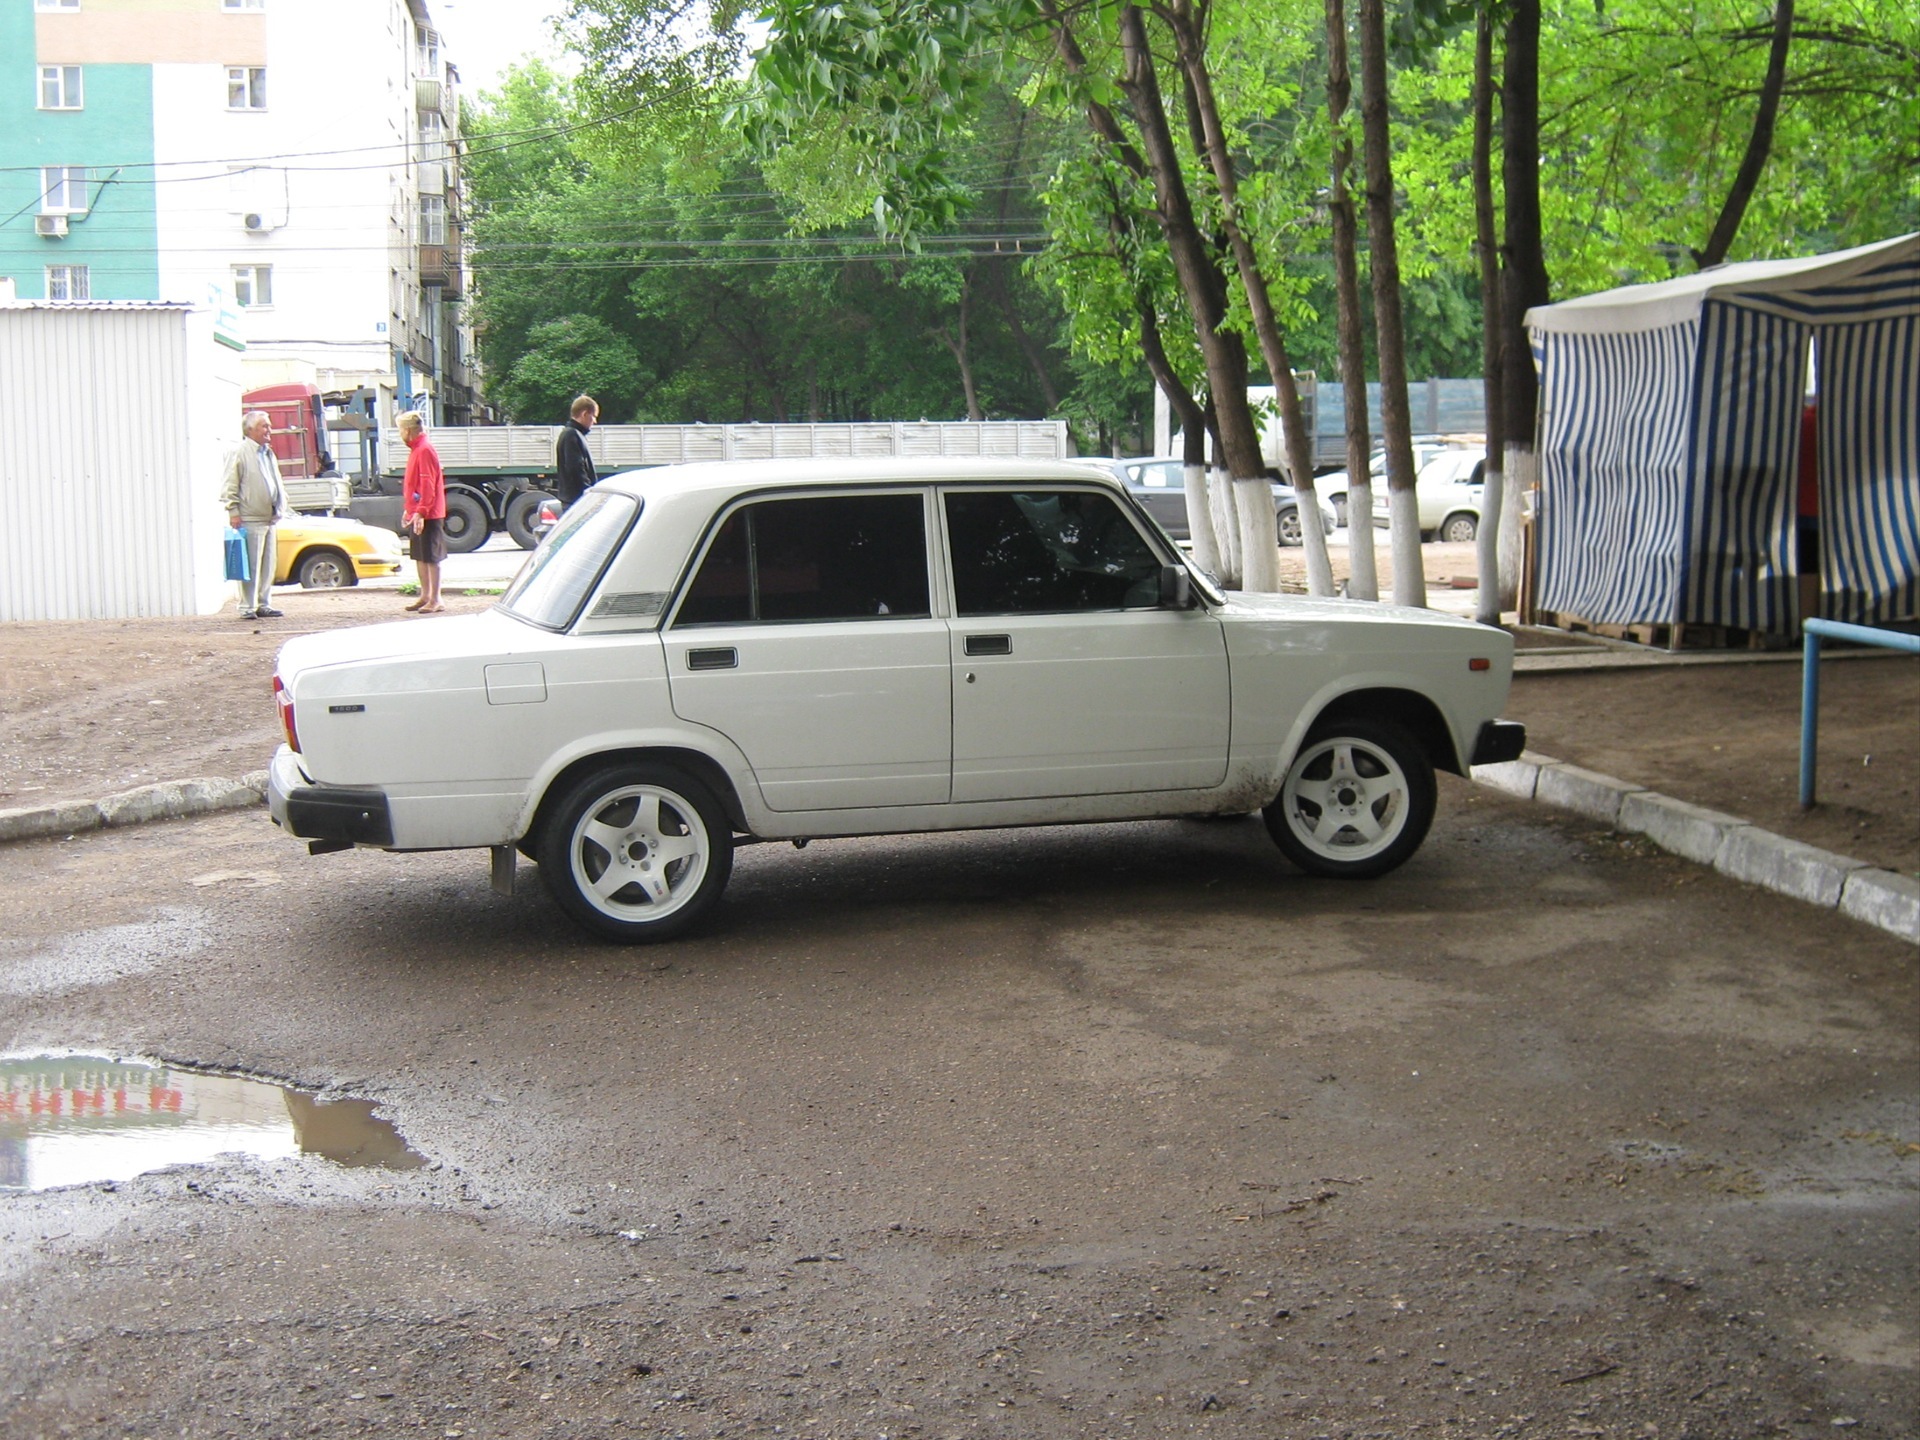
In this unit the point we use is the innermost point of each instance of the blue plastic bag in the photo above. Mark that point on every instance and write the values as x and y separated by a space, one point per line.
237 566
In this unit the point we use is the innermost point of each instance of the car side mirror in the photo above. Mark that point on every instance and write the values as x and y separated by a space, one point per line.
1176 588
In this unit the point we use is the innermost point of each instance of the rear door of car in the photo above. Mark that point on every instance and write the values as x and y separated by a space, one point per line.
1161 487
807 637
1069 675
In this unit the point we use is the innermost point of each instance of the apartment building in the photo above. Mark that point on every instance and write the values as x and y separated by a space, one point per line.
294 161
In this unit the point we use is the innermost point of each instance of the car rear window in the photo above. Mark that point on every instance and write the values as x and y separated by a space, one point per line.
557 578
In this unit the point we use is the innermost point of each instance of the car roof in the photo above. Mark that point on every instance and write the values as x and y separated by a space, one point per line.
718 478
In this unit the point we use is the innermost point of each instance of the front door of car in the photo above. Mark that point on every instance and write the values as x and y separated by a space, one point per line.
1070 676
807 637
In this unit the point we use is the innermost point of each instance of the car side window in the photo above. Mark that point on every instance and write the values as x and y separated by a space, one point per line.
1039 552
838 557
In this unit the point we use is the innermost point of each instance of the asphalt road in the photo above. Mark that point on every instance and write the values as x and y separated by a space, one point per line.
1066 1132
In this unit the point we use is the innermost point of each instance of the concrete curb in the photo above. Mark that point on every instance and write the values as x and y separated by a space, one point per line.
1736 848
169 800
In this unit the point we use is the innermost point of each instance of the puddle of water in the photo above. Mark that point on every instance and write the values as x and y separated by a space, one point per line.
81 1119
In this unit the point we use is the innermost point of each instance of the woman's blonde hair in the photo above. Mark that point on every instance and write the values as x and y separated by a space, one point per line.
411 422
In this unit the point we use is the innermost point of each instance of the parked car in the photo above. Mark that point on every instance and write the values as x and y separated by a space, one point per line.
1160 485
323 553
708 655
1448 490
1333 486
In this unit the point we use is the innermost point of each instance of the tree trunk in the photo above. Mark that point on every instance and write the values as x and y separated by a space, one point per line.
1523 269
954 337
1396 424
1191 46
1491 599
1207 552
1364 581
1759 142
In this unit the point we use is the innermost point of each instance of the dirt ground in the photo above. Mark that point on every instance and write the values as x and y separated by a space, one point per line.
91 708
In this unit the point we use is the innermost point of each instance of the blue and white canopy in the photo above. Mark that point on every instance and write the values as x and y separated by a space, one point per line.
1669 442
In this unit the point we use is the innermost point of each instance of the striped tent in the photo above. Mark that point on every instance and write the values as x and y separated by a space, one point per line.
1669 442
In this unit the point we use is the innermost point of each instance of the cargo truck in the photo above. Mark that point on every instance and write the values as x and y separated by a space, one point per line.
497 475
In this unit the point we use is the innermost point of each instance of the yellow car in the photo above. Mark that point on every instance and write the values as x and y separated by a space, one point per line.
322 552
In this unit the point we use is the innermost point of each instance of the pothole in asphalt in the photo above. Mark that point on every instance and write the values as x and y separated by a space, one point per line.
68 1119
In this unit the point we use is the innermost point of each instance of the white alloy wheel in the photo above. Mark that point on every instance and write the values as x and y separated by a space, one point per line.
637 852
1357 801
1286 525
1459 528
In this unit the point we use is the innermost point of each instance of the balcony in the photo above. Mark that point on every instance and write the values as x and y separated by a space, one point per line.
426 93
440 266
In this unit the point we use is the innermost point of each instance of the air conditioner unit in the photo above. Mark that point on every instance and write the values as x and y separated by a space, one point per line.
256 222
51 226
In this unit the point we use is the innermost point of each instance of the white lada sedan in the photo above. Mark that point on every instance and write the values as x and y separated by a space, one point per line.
705 656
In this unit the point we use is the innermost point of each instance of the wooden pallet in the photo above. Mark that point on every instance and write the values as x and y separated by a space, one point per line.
1669 637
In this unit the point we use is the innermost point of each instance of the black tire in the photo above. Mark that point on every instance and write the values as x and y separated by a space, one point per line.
325 570
637 852
522 511
466 522
1286 524
1458 529
1356 802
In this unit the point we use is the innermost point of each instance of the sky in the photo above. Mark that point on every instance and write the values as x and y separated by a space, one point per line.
485 37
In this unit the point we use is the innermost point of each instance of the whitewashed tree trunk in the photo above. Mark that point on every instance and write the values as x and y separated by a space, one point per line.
1201 535
1486 544
1226 526
1259 540
1314 537
1409 571
1363 581
1522 472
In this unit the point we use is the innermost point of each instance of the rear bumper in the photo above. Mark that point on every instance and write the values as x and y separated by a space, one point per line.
321 812
1498 741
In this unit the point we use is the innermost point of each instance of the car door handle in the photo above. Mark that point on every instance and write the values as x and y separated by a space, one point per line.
723 658
989 644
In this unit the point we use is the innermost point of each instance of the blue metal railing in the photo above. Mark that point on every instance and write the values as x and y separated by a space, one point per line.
1814 630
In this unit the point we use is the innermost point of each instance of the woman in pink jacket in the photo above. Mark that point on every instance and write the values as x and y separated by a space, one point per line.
423 511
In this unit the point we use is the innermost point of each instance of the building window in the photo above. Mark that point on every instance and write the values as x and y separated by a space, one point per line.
433 136
56 4
243 4
426 54
253 285
246 87
59 87
433 219
63 189
67 282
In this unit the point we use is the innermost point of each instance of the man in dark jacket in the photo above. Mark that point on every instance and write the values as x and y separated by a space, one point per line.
574 466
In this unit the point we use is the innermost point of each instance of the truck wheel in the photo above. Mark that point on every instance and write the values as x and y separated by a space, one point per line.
1357 800
467 523
636 852
522 511
325 570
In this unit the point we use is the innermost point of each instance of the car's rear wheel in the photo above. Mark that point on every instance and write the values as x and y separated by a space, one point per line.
522 513
1458 529
637 852
325 570
466 523
1286 523
1357 801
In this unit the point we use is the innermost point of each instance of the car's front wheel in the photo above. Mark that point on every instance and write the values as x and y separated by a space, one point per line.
1286 523
325 570
637 852
1357 801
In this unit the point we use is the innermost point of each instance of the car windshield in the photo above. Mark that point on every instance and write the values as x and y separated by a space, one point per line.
557 578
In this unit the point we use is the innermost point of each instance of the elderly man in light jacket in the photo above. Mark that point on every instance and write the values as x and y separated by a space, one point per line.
256 501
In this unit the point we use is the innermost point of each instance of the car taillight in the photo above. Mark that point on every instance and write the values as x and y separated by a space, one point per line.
284 700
